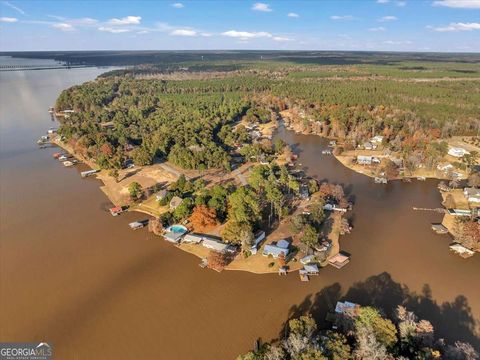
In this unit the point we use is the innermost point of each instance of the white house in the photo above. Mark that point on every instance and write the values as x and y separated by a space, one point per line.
364 160
457 152
216 245
472 194
376 139
193 238
275 251
445 167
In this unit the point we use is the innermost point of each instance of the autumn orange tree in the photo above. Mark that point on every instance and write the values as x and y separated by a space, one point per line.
155 226
203 218
217 260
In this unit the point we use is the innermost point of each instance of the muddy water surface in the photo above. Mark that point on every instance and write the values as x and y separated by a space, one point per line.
72 275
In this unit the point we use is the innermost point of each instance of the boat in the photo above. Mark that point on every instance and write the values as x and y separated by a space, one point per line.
116 210
51 109
421 178
327 152
68 163
380 180
56 155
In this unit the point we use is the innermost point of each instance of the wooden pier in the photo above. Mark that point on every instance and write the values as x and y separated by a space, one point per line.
438 210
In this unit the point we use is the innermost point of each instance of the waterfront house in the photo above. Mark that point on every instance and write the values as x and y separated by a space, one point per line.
472 194
275 251
216 245
192 239
364 160
115 211
175 202
457 152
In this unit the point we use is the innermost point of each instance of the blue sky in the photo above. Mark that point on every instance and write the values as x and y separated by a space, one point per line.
390 25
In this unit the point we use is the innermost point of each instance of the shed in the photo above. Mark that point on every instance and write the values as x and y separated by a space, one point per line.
369 146
175 202
161 195
215 244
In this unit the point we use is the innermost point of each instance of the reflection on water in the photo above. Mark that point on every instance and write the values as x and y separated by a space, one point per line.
74 276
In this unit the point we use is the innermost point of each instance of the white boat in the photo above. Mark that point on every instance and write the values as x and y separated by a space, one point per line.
138 224
67 163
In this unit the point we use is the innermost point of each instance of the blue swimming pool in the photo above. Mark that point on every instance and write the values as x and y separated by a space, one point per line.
177 229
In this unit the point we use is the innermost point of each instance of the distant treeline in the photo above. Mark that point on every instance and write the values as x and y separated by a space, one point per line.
190 121
127 58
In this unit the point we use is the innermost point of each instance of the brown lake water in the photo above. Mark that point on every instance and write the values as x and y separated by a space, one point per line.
81 280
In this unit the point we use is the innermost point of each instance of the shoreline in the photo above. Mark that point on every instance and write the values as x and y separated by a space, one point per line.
346 159
255 264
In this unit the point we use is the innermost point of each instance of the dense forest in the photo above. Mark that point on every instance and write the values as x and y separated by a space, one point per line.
363 333
191 121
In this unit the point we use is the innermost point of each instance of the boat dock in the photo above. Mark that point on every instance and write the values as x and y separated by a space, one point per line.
88 173
138 224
